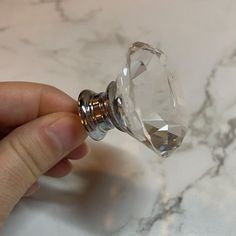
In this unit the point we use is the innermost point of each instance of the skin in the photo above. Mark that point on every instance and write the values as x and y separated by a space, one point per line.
40 132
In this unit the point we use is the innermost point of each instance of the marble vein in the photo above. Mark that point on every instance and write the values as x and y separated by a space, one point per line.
222 140
65 16
61 11
3 29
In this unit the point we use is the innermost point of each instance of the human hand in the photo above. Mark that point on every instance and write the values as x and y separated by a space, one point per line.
39 132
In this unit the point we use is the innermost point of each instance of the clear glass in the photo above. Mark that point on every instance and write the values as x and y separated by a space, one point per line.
152 104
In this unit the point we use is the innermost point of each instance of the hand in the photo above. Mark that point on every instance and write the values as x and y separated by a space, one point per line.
39 132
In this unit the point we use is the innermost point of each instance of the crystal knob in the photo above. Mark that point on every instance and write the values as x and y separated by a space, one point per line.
143 102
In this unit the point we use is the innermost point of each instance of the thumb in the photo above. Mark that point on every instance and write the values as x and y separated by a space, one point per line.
32 149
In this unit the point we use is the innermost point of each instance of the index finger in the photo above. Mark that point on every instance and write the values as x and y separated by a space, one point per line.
21 102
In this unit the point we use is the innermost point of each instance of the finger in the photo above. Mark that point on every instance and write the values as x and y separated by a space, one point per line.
64 166
32 149
32 189
22 102
60 169
79 152
4 132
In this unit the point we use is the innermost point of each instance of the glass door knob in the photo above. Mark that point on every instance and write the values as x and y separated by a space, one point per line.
144 102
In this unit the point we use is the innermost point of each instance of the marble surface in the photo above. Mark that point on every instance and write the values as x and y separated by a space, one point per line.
121 188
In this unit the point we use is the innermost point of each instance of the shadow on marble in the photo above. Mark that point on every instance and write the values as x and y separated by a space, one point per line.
108 192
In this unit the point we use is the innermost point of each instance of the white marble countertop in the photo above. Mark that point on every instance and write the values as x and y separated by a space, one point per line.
125 190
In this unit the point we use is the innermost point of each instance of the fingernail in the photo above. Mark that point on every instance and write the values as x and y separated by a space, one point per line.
79 152
65 133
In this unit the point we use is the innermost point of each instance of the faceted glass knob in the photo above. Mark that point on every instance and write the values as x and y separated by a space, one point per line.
145 101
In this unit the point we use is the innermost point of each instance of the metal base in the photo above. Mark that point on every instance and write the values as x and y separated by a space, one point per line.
100 112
